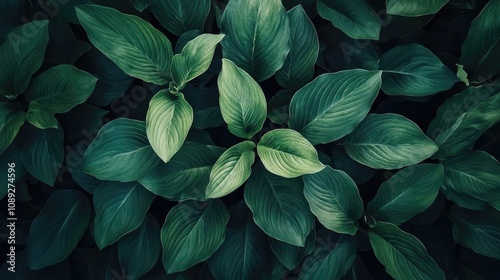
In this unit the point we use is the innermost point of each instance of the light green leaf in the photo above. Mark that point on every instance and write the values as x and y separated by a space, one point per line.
388 141
279 207
120 152
413 70
242 101
402 254
195 58
481 49
257 36
179 16
11 120
57 90
140 5
42 152
409 192
186 175
463 118
356 18
205 104
462 74
133 44
298 68
231 170
56 231
334 199
289 255
477 230
472 174
185 38
332 105
192 233
168 121
139 250
414 8
332 258
286 153
120 208
22 55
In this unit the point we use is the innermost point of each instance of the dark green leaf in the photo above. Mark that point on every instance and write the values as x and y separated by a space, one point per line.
414 8
11 120
205 104
141 5
289 255
179 16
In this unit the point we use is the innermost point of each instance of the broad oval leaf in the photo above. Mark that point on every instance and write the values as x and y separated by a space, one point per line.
334 199
195 58
22 55
231 170
42 152
402 254
56 231
120 152
242 101
257 36
481 49
279 207
477 230
332 257
133 44
474 175
138 251
58 90
192 232
413 70
414 8
332 105
356 18
388 141
463 118
186 175
298 68
409 192
289 255
11 119
179 16
119 209
286 153
168 121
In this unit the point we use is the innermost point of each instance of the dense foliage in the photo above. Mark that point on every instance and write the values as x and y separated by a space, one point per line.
250 139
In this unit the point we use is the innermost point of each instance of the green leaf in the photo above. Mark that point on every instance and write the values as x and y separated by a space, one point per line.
359 173
11 120
242 101
195 58
42 152
462 74
257 36
332 105
481 49
334 199
185 38
388 141
332 258
168 121
356 18
120 208
279 207
413 70
231 170
22 55
472 174
402 254
179 16
57 90
414 8
409 192
192 233
9 156
139 250
278 107
133 44
298 68
463 118
140 5
205 104
286 153
56 231
477 230
289 255
120 152
185 176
